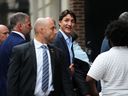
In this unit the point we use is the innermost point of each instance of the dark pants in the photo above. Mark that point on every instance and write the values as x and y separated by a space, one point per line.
98 85
51 93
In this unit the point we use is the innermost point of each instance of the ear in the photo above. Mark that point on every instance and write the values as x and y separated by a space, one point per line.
59 23
19 26
41 30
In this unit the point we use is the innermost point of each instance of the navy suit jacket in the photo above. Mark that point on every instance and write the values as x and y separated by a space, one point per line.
81 69
67 82
23 70
5 52
105 46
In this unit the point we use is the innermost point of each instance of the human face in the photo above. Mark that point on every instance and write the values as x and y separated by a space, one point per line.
26 28
67 24
4 32
50 31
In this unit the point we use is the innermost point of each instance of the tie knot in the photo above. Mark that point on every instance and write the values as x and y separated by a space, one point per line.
44 46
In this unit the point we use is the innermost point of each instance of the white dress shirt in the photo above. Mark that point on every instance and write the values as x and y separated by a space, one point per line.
39 57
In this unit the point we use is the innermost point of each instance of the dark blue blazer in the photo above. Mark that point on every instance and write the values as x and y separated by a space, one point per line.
81 69
5 52
67 82
105 45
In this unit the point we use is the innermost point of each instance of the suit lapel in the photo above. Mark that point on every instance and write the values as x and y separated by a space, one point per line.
52 55
33 52
63 41
33 56
64 45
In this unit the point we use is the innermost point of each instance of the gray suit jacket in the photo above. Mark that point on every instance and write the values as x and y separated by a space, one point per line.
23 68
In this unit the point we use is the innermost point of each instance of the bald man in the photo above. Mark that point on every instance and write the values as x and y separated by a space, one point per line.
25 74
4 32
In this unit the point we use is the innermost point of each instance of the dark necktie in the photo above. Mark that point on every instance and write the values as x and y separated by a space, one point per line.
45 77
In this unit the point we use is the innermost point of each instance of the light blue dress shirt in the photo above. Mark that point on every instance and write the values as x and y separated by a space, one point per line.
69 44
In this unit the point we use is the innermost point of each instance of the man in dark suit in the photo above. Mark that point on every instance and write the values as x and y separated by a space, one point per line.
21 26
63 40
25 74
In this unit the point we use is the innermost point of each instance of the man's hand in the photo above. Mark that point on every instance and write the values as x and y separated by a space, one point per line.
71 67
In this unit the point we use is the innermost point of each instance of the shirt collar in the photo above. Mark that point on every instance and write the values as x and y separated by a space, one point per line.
65 36
19 33
38 44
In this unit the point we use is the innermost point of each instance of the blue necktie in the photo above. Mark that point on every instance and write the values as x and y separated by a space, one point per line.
45 77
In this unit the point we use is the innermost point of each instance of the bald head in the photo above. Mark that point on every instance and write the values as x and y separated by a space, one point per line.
45 29
40 22
4 32
3 28
124 16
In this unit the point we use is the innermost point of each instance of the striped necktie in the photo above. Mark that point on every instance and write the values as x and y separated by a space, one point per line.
45 77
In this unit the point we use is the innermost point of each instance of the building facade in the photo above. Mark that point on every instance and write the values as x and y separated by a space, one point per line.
92 16
52 8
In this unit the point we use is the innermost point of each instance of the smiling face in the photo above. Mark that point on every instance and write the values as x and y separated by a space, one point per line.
67 24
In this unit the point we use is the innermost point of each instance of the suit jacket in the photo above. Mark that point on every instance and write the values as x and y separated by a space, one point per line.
67 82
105 46
81 70
23 69
5 52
